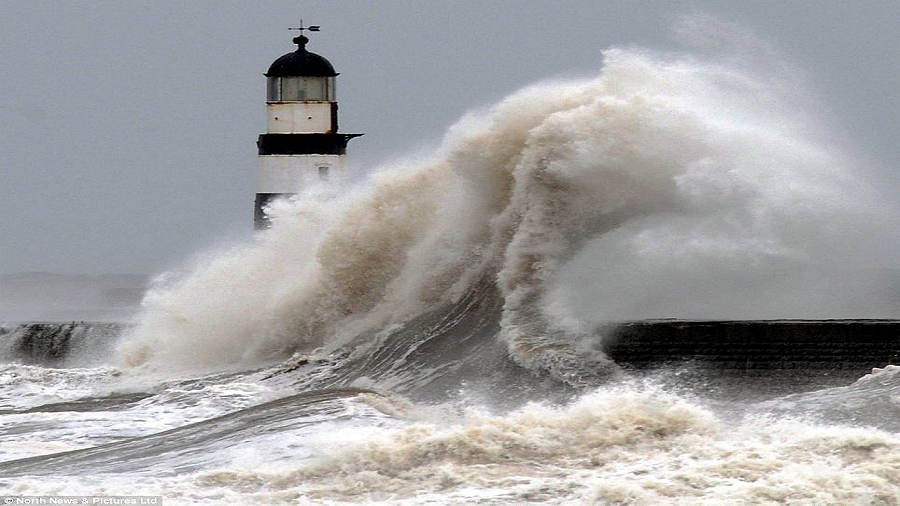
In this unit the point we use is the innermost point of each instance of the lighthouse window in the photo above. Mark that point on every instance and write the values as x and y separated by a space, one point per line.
292 89
295 89
323 172
273 89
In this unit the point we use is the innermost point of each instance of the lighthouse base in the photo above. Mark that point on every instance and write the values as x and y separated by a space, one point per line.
260 218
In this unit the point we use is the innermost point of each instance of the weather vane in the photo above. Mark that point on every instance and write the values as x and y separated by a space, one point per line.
313 28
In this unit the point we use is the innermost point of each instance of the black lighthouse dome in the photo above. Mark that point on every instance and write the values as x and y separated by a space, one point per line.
301 63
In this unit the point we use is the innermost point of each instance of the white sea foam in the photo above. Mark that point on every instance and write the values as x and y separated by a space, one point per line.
47 410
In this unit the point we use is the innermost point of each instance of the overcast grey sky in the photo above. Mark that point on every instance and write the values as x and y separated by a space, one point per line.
129 127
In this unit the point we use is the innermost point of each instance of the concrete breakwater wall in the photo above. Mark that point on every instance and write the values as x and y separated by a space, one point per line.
820 351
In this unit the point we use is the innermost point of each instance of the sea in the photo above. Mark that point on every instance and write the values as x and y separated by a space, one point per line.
434 335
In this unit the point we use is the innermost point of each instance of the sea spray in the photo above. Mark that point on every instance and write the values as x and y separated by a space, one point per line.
659 181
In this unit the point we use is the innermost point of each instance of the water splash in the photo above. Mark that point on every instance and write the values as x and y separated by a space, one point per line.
664 187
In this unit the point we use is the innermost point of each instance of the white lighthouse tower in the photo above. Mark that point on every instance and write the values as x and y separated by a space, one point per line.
301 146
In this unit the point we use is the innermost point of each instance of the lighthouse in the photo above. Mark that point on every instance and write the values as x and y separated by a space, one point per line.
301 146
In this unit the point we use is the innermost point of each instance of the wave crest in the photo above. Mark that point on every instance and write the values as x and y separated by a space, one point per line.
660 180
